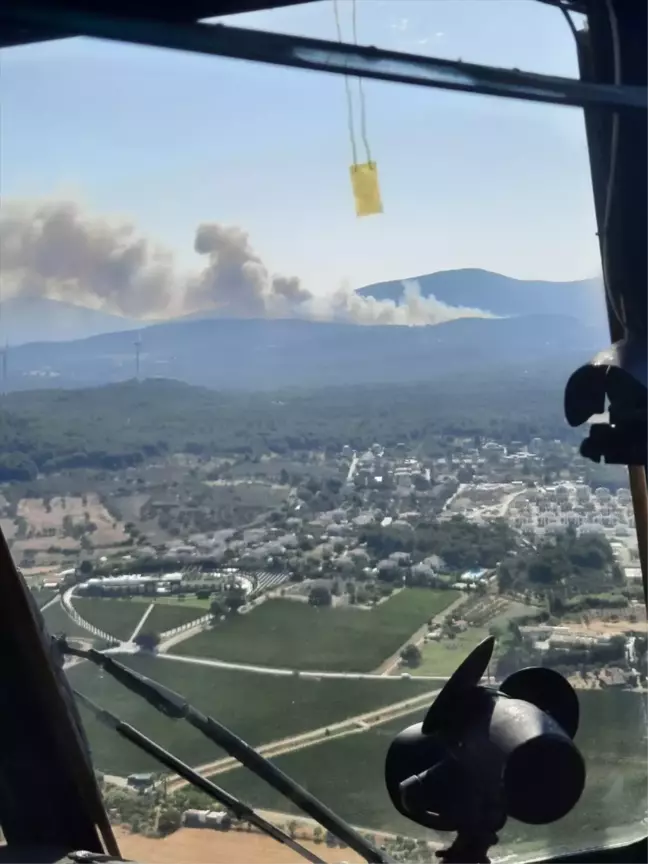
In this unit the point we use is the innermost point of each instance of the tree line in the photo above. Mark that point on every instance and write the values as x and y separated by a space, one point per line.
117 426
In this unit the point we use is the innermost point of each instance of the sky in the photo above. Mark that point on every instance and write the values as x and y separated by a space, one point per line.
168 141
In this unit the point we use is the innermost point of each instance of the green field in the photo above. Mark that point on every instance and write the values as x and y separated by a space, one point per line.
294 635
347 774
43 595
442 658
118 618
189 601
260 708
166 616
58 621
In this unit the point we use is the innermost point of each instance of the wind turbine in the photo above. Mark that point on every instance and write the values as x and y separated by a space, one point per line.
138 350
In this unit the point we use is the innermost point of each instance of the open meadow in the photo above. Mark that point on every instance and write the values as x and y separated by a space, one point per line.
260 708
295 635
58 621
118 618
166 616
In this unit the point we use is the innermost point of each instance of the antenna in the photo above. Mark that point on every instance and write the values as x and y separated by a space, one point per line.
138 350
5 358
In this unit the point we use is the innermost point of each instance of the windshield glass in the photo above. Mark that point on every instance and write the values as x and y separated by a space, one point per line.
296 464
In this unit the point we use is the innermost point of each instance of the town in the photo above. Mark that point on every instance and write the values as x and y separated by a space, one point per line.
381 567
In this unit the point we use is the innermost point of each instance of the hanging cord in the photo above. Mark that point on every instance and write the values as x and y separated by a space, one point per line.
614 148
347 87
363 107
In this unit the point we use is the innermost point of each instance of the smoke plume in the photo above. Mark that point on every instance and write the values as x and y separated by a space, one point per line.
235 281
54 250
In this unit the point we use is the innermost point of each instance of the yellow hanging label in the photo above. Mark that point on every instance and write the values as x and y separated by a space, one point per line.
366 191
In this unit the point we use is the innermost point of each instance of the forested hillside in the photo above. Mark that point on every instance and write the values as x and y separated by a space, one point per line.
115 426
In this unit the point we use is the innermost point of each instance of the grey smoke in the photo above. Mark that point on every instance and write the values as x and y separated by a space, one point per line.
236 282
54 250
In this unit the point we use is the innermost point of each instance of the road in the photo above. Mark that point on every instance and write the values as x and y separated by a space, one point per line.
141 622
349 726
271 670
352 468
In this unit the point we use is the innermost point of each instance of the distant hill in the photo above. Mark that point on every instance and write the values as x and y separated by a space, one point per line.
262 354
502 295
36 319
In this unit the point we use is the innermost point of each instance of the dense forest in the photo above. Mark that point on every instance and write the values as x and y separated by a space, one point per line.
461 544
116 426
573 571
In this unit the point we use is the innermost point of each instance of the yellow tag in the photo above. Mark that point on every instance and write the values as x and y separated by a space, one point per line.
366 191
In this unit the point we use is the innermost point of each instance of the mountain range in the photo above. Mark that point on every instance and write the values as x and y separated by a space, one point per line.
557 331
502 295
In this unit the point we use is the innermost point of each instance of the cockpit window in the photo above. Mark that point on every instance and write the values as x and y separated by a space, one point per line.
294 463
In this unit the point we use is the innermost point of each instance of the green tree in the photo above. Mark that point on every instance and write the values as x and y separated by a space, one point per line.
320 595
169 821
147 641
411 656
217 608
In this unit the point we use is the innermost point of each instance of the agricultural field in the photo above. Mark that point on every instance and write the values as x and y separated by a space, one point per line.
47 518
232 847
487 614
299 636
166 616
199 605
42 595
347 774
260 708
58 621
119 618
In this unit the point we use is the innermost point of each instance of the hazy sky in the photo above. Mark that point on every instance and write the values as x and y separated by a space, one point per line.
170 140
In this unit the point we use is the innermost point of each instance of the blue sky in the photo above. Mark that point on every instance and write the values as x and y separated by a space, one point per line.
169 140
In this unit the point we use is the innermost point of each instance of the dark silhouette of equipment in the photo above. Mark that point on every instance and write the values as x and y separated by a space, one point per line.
616 379
484 754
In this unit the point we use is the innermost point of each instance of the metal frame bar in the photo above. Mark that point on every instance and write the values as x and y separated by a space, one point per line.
325 56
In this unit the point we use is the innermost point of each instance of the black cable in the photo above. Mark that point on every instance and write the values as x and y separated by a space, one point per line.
569 21
239 808
176 706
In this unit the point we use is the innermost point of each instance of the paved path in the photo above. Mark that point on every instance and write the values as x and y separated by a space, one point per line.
141 623
49 603
164 646
271 670
349 726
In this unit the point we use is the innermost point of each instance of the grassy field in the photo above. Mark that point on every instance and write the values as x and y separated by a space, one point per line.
116 617
43 595
190 600
295 635
347 774
442 658
166 616
260 708
58 621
